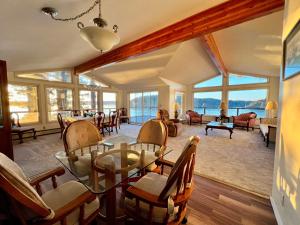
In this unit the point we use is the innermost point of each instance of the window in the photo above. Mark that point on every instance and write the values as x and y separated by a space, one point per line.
235 79
88 99
109 102
213 82
143 106
60 100
207 102
244 101
86 80
60 76
179 101
24 101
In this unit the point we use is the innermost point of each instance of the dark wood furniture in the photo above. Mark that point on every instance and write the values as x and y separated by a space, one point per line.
123 115
32 206
19 130
61 124
169 192
193 117
112 122
5 122
224 15
217 119
218 125
100 120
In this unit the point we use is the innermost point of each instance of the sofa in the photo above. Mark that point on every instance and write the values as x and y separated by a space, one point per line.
268 128
193 117
173 125
246 120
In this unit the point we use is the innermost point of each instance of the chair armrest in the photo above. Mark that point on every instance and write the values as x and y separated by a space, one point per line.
160 151
76 203
133 192
164 162
44 176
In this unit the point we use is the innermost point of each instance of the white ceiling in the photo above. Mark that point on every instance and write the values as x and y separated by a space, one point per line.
253 47
30 40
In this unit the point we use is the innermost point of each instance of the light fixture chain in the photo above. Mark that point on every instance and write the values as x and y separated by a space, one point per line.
80 15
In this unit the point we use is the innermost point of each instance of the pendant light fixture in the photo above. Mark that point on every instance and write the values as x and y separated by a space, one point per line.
97 36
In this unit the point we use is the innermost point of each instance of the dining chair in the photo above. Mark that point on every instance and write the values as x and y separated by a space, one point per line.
100 119
153 138
68 203
16 128
61 124
112 123
160 199
124 117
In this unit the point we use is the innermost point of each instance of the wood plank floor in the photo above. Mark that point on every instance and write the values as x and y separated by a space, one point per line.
214 203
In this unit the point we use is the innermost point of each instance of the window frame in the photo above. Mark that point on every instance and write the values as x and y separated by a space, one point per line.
38 99
142 92
205 91
46 99
201 81
250 84
84 89
102 99
43 71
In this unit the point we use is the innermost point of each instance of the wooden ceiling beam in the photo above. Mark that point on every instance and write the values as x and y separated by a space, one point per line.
227 14
210 46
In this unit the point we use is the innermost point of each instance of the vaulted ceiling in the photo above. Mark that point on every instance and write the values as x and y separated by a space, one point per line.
30 41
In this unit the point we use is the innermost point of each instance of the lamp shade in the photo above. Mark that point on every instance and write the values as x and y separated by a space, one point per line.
99 38
271 105
223 106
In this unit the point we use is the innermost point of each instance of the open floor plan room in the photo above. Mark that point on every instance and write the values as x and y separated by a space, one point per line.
150 112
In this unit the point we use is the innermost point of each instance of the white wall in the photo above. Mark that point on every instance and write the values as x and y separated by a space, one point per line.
286 181
42 98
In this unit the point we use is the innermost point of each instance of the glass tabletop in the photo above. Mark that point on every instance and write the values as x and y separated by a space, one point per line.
218 124
100 169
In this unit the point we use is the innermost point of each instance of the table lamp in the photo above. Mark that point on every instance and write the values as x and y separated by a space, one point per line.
271 107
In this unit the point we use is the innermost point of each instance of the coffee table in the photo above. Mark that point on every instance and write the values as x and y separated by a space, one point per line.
220 126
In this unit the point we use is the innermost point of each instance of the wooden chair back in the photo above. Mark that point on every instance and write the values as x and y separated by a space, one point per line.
79 135
123 112
113 118
153 132
100 119
181 174
22 195
60 121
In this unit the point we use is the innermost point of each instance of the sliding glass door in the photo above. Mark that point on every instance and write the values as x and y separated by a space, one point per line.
143 106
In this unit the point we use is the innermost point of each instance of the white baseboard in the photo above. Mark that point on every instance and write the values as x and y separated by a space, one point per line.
276 211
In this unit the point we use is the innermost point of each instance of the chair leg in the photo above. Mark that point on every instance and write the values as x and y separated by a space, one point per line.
20 137
34 134
117 129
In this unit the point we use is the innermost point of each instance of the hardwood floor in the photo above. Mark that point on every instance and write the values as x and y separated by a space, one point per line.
214 203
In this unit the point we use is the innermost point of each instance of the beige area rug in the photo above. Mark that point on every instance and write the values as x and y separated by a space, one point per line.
242 161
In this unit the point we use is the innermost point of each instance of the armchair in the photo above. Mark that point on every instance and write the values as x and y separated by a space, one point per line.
245 120
193 117
124 115
172 124
69 203
166 201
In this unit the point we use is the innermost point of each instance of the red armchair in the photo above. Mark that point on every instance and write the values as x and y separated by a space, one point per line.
193 117
245 120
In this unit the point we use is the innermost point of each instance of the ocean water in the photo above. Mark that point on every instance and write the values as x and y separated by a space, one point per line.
232 112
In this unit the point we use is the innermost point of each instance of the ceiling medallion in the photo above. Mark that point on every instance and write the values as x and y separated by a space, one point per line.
97 36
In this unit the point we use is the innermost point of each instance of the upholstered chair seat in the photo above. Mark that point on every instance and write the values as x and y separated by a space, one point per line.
146 184
193 117
65 193
246 120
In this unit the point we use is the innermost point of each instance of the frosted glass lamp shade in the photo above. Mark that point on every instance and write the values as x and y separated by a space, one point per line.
99 38
271 105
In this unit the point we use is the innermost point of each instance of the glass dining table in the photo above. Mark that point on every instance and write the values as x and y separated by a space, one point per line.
108 173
